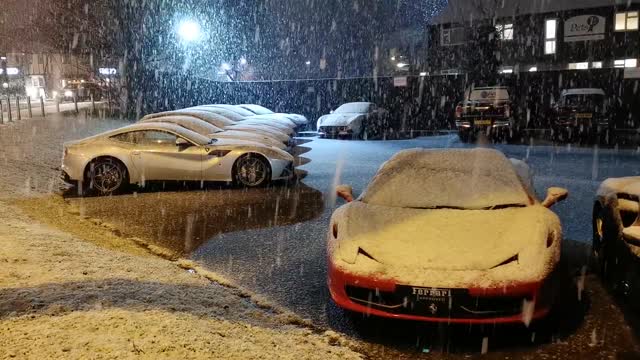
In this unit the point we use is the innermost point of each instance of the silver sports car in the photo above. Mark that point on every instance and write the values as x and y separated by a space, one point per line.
134 154
209 130
211 116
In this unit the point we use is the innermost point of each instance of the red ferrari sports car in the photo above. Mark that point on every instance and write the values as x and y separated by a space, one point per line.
453 236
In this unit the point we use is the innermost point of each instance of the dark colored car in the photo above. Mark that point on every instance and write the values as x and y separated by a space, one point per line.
581 114
485 110
81 91
616 236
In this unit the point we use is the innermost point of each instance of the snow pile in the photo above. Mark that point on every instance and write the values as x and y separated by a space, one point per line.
62 297
354 108
469 179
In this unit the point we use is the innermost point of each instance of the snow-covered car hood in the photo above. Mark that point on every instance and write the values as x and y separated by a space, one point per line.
627 185
260 129
338 119
406 244
296 118
243 135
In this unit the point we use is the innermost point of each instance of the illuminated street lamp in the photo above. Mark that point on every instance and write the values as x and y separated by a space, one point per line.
189 31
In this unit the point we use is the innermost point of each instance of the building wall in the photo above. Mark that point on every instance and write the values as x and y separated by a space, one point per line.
528 45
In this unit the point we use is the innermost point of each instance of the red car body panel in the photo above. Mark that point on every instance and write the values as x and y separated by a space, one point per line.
540 292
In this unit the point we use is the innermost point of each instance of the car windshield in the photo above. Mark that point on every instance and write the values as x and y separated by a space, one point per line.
359 108
489 95
584 100
454 179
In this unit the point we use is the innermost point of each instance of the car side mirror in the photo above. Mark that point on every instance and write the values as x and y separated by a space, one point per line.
554 196
180 142
345 192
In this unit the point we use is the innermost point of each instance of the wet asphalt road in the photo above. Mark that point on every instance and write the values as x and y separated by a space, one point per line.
272 241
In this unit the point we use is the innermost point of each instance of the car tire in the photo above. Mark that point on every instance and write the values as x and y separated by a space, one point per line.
464 136
606 233
251 170
106 176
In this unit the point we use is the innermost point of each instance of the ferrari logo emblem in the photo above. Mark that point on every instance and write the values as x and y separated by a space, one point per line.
433 308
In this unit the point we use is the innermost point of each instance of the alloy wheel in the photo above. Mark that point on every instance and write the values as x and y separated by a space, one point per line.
107 177
252 171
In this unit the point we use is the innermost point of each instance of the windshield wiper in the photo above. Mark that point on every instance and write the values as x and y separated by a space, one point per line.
504 206
438 207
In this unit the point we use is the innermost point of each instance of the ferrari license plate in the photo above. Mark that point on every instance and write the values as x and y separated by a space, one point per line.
584 116
482 122
430 294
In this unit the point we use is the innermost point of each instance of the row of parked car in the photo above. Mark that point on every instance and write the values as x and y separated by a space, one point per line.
581 113
245 144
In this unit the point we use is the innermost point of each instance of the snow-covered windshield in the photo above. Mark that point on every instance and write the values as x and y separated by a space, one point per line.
465 179
354 108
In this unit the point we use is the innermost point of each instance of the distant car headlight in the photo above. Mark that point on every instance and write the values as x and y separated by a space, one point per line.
68 93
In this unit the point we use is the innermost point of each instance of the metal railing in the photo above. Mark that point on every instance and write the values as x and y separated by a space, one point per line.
11 107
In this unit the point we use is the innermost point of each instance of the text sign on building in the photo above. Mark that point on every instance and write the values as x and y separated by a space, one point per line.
107 71
400 81
584 28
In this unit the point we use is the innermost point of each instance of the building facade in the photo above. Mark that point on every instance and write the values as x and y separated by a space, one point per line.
539 36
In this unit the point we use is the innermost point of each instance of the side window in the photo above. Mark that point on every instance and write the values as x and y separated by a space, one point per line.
156 138
129 137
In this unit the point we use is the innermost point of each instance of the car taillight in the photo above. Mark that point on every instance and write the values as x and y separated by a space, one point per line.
507 111
459 111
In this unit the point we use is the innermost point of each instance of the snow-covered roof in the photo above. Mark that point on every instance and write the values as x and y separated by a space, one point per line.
585 91
458 11
460 178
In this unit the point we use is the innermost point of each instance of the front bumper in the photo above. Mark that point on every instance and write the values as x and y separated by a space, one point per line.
385 298
335 131
282 170
481 125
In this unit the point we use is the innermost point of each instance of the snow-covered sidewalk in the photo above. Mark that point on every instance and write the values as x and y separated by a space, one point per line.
63 297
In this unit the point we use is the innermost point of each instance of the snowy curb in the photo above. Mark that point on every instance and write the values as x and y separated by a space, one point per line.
284 315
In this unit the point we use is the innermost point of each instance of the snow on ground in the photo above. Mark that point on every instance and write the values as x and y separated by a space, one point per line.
85 291
61 296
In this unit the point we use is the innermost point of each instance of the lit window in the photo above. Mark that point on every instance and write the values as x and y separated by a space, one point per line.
596 64
583 65
550 47
550 36
627 21
579 66
550 32
505 31
533 69
626 63
506 70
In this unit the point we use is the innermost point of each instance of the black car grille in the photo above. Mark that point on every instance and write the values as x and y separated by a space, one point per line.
460 304
333 129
